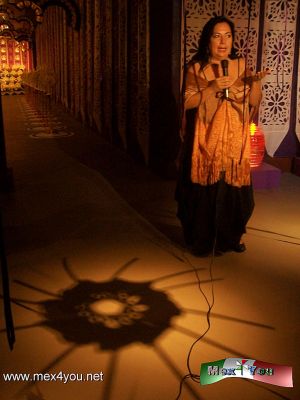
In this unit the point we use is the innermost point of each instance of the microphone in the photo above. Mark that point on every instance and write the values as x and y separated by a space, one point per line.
224 64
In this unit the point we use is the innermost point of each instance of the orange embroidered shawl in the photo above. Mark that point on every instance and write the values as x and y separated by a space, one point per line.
221 134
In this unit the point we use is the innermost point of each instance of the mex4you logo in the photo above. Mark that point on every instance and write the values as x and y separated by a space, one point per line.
274 374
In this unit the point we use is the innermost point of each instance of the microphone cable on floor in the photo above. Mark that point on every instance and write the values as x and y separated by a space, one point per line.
191 375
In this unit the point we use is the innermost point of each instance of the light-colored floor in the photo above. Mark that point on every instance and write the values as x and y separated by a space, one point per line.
98 288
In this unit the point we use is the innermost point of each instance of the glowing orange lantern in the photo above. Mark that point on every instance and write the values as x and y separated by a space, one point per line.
257 142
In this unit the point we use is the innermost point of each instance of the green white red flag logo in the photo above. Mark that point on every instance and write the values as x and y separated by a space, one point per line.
274 374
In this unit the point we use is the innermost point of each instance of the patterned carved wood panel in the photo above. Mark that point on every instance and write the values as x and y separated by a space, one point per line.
106 50
133 71
56 54
298 100
71 70
83 64
103 70
143 78
116 70
122 74
97 115
120 104
89 43
77 73
64 63
138 78
57 85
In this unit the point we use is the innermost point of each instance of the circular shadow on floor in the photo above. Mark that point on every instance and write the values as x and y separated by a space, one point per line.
113 313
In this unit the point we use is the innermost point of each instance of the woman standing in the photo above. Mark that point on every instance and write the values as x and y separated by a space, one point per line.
214 192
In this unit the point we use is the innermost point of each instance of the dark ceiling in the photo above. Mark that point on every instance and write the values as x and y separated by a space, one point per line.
18 19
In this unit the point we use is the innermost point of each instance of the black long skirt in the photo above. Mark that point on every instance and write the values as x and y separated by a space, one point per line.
213 214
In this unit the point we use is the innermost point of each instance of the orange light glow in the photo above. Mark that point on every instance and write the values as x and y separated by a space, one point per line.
257 142
253 129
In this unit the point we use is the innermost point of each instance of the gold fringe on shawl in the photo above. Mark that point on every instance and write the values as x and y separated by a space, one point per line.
222 145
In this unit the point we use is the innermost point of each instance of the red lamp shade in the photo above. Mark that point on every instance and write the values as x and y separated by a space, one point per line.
257 142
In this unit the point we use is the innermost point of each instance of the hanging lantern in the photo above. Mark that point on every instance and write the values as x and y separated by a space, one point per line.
257 143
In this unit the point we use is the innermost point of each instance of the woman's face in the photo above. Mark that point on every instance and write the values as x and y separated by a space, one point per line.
220 43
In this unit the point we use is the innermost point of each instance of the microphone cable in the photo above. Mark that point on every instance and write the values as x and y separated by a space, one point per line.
191 375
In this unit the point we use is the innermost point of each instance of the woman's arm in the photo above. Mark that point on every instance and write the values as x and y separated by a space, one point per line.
197 88
195 99
192 94
256 92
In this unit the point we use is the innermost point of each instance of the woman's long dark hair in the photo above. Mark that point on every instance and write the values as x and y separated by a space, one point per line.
203 54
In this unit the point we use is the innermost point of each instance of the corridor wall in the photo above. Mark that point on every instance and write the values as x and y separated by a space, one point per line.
102 68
